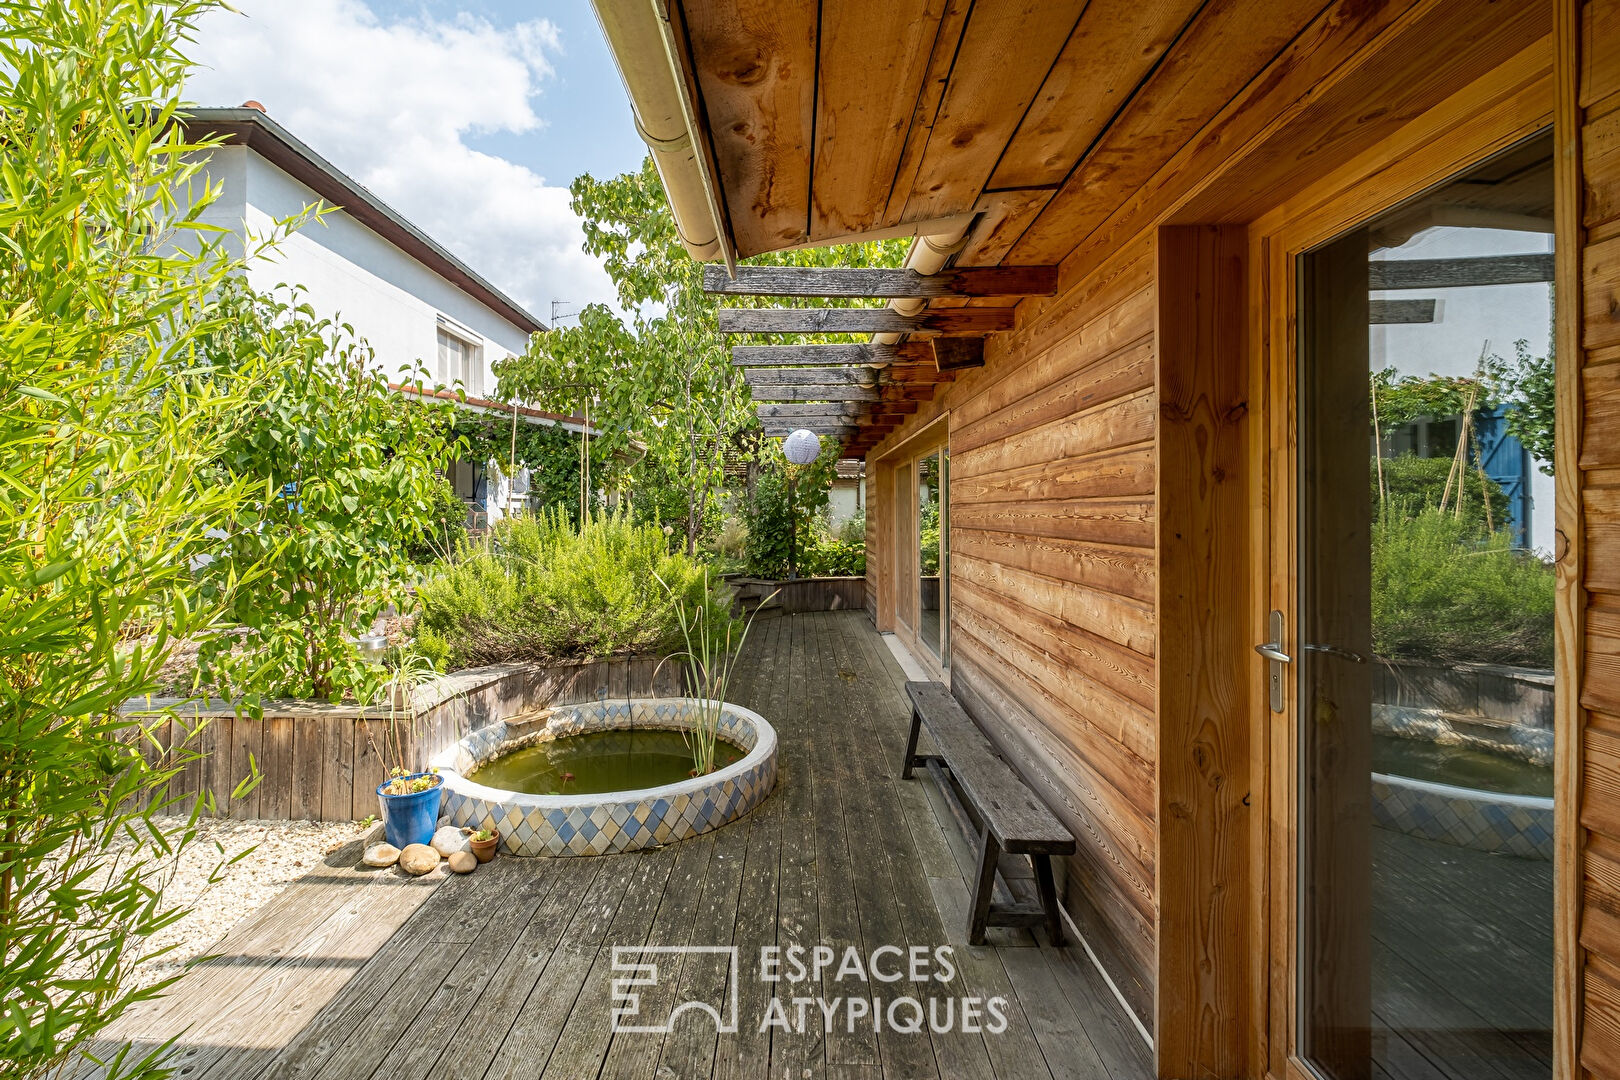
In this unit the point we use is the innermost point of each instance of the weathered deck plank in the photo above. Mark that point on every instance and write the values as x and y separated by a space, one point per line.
507 973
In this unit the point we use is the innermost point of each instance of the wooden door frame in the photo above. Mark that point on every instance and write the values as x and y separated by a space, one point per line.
1498 110
900 527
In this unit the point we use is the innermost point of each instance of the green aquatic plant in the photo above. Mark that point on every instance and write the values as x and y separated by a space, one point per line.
713 646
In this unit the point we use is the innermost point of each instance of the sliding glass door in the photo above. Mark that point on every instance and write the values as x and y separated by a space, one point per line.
1423 650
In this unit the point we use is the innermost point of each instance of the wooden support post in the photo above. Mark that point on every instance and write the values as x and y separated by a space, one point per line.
1203 977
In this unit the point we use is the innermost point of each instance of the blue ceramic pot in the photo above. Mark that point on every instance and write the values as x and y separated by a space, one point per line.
410 819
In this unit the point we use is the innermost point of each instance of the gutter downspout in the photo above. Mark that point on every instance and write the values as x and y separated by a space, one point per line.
643 44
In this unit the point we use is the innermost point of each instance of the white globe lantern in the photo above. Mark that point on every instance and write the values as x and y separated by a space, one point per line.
802 447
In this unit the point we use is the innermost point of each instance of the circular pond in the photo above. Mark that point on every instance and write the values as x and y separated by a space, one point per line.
526 776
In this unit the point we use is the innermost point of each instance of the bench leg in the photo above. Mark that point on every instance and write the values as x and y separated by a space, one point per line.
911 746
983 888
1048 894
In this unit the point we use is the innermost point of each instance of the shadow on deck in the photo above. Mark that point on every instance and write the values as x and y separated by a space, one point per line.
507 973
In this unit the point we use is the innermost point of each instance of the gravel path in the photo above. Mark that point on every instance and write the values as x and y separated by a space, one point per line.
282 851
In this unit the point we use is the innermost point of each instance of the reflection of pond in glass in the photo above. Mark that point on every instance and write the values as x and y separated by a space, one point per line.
1459 766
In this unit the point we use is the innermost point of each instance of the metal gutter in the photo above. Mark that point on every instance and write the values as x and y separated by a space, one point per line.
647 50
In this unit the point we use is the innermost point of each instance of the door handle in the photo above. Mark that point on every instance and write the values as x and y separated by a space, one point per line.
1273 652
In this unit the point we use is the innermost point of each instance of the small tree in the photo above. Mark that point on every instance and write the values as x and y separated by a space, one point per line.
662 379
1527 384
777 524
344 474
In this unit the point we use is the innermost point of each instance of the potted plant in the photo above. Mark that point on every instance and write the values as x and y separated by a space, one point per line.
408 800
410 806
483 844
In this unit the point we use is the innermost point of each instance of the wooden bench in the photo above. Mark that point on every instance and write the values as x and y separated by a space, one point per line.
998 805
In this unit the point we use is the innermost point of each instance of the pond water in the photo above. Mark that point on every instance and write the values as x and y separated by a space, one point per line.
598 761
1459 766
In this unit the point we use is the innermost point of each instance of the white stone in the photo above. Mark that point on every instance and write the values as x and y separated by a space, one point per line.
463 862
381 855
418 859
449 840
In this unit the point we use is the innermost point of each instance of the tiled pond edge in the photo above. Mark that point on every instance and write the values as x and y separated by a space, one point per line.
609 822
1519 825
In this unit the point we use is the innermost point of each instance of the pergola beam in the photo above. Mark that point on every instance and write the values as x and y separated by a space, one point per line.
781 410
813 393
867 355
864 283
776 431
1459 273
863 321
957 353
1390 312
828 376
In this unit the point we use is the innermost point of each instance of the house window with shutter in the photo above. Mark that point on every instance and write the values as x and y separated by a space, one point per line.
460 362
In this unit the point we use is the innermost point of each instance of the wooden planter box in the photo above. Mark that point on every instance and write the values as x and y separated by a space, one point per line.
320 762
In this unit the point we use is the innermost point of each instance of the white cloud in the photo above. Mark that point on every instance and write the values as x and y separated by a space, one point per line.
391 104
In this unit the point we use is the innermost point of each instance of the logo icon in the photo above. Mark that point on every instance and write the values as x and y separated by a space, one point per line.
647 966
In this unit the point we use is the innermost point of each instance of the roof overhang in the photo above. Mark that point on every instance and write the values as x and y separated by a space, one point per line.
258 132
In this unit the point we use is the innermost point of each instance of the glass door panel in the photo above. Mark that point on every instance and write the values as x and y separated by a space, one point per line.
929 550
1424 635
905 548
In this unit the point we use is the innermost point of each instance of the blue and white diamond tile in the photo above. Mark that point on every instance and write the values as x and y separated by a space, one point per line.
1483 820
617 821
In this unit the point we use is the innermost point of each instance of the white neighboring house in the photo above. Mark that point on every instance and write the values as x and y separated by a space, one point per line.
364 264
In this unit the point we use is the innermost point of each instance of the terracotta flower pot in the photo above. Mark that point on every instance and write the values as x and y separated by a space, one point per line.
485 849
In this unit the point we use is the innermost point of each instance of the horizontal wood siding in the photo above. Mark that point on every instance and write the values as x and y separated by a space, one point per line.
1590 509
1052 506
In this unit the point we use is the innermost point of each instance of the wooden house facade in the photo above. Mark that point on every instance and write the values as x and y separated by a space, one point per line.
1107 436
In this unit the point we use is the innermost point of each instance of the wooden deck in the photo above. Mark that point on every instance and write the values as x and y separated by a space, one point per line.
507 973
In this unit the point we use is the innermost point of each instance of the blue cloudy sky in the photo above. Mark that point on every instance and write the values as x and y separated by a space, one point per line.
470 117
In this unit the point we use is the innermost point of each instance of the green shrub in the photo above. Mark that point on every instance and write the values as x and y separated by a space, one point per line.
1443 590
345 474
831 556
771 520
446 530
1420 483
853 530
537 589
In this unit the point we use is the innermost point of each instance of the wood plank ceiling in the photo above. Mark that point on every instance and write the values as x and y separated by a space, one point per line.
1039 119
